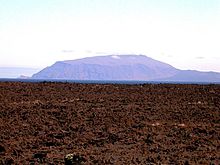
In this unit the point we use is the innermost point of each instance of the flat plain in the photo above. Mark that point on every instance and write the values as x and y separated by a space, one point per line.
40 123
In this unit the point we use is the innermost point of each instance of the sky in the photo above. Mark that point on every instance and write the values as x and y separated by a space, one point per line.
183 33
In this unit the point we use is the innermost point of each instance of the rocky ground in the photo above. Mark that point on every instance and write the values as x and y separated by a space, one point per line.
40 123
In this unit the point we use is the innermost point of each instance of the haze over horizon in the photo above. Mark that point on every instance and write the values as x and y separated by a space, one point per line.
182 33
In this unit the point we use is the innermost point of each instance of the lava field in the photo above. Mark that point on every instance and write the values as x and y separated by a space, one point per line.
41 123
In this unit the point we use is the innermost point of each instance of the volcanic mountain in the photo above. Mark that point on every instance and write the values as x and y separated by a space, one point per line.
122 67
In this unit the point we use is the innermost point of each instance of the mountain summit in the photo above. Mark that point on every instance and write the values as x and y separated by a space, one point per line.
121 67
112 67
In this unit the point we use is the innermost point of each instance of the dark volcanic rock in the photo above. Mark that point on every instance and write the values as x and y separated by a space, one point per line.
40 123
2 149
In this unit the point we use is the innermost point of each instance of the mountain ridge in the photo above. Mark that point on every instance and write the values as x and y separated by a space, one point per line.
122 67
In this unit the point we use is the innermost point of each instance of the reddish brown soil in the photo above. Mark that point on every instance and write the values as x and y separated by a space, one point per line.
109 124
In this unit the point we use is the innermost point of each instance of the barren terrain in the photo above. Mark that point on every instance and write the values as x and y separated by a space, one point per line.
40 123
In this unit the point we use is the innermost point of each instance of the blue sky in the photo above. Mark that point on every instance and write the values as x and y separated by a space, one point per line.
183 33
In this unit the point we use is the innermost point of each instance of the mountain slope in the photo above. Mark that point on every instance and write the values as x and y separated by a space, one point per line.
124 67
194 76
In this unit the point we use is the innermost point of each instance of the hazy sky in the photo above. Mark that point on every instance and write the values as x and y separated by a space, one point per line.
183 33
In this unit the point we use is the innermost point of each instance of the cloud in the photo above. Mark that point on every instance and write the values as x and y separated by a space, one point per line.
200 58
67 51
115 57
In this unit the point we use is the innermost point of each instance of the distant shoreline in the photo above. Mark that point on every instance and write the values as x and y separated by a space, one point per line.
132 82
